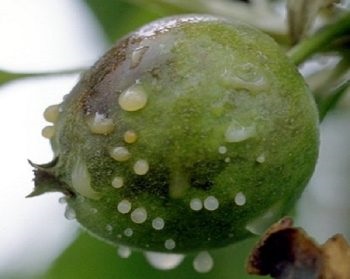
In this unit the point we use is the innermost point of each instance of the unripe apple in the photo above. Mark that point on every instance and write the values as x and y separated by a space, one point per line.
186 135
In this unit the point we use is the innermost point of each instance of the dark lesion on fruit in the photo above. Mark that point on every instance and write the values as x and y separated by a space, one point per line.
203 174
113 59
155 182
174 182
45 181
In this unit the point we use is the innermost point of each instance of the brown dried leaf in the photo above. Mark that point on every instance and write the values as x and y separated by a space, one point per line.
285 252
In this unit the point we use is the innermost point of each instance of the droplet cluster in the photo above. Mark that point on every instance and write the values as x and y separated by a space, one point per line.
210 203
51 114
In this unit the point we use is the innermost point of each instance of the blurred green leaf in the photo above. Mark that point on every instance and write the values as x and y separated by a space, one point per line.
6 76
89 258
118 17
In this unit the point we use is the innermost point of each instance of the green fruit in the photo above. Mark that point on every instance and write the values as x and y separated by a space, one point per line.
189 134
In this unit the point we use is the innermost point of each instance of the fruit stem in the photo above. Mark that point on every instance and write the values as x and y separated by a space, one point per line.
320 40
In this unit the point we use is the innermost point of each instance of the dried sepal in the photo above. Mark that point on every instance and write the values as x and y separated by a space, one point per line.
286 252
336 253
45 180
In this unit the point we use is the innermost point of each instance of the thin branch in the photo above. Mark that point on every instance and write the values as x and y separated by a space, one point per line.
320 40
6 76
332 100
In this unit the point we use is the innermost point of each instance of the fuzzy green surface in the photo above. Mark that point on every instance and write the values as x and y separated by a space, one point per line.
205 79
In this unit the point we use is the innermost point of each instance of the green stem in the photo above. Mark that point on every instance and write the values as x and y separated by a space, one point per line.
330 102
320 40
6 76
332 87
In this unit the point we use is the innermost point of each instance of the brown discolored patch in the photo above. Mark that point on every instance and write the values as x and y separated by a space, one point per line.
285 252
110 61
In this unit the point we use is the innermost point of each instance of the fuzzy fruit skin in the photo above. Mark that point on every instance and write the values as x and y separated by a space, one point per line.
225 113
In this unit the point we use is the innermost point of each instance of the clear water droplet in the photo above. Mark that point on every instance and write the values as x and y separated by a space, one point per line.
248 72
240 199
128 232
260 224
158 223
139 215
170 244
124 251
93 210
236 132
124 206
70 213
141 167
136 56
117 182
109 228
80 199
164 261
81 180
211 203
62 200
196 204
222 149
261 158
203 262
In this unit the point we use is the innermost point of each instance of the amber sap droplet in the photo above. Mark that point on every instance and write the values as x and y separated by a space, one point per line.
51 113
48 132
141 167
100 124
133 99
120 154
130 137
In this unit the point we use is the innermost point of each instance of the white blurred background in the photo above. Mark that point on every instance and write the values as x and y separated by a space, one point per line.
36 36
51 35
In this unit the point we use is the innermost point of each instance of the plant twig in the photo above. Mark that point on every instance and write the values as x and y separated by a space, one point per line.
320 40
6 76
331 101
